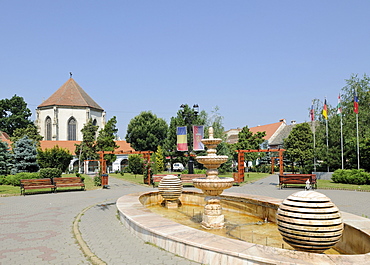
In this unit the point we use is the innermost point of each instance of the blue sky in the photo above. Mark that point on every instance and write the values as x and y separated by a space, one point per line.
258 61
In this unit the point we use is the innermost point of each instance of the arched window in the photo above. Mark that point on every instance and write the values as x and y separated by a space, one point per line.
48 129
94 122
72 129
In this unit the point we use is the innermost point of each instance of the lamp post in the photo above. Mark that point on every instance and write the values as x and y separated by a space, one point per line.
189 118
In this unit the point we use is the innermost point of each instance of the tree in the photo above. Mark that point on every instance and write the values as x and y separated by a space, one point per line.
248 140
86 150
159 159
14 114
55 157
135 164
5 158
24 156
106 139
299 146
145 132
31 131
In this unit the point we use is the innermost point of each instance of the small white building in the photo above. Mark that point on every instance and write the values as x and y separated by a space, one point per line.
62 116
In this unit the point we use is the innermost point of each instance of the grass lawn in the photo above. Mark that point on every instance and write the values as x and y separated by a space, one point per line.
328 184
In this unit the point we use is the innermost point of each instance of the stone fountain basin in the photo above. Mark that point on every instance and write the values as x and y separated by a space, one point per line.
211 160
213 187
208 248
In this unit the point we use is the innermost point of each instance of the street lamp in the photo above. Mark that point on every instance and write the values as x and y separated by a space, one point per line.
189 118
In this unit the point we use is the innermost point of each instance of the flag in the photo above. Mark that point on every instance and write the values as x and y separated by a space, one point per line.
312 112
355 103
339 106
325 111
198 133
182 141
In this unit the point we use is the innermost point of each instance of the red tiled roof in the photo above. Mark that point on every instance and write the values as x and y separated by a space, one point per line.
70 145
5 138
70 94
270 129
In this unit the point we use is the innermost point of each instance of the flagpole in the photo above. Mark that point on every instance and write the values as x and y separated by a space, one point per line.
327 144
312 114
341 140
355 105
358 144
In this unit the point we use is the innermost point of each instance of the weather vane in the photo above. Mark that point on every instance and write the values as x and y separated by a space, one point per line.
70 74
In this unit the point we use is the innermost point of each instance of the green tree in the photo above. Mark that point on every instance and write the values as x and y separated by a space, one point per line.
159 159
24 156
14 114
135 164
145 132
86 150
247 140
31 131
55 157
299 146
106 139
5 158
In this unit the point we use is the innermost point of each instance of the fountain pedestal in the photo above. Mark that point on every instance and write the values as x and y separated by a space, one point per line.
212 185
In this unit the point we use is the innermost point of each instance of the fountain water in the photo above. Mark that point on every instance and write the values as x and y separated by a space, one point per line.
212 185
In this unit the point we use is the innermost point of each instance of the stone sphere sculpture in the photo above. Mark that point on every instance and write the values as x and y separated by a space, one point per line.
309 221
170 187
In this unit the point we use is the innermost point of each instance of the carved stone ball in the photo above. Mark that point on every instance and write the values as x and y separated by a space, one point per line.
309 221
170 187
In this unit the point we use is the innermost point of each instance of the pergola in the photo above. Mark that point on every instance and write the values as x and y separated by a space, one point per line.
240 175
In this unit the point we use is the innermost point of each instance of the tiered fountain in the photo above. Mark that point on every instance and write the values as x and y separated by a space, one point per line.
212 185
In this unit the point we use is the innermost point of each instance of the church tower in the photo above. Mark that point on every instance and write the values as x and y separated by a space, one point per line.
62 116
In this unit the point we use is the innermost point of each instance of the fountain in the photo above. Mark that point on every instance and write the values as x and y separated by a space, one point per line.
209 248
212 185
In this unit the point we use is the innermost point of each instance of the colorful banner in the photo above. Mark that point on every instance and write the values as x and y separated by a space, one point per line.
198 133
182 141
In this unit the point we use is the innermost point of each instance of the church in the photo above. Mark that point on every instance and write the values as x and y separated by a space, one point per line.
61 117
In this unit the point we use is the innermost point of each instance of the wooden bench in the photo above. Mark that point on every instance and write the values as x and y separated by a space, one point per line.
297 179
68 182
33 184
188 178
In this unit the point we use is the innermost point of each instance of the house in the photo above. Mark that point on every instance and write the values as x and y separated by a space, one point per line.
275 133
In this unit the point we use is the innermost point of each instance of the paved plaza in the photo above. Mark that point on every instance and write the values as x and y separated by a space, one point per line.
38 229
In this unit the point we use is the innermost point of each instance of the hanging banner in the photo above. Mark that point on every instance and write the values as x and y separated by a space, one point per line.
182 141
198 134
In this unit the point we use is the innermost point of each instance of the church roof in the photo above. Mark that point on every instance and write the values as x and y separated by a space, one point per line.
70 94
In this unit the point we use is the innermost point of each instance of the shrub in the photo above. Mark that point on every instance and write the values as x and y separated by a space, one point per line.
354 176
97 180
15 180
50 173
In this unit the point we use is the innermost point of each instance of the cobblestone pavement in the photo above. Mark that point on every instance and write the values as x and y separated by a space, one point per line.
37 229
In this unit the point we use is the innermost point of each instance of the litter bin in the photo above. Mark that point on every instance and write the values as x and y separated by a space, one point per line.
104 180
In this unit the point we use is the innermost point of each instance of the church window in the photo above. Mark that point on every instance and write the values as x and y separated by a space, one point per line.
48 129
72 129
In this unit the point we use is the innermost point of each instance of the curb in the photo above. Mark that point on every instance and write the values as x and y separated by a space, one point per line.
95 260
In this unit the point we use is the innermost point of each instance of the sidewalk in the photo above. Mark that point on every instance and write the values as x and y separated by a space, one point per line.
37 229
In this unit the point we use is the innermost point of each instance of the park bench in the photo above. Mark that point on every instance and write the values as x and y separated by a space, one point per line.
33 184
68 182
188 178
297 179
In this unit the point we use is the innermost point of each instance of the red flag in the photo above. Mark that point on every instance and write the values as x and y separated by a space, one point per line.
355 103
198 132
